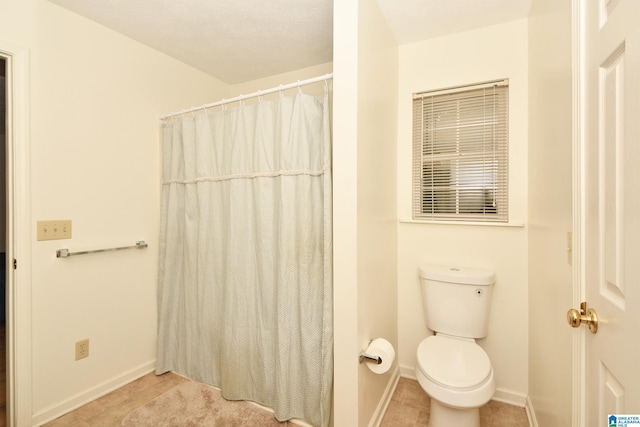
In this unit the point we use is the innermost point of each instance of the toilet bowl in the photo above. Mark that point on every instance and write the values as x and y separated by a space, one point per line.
451 367
457 374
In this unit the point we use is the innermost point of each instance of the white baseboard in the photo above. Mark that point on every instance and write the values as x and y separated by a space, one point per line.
408 372
54 411
510 397
381 409
531 413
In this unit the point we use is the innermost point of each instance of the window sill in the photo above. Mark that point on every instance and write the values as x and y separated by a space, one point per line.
482 224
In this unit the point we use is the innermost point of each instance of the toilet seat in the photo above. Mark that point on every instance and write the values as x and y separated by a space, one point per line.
453 363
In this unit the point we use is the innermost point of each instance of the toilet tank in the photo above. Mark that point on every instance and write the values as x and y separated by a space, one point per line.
457 300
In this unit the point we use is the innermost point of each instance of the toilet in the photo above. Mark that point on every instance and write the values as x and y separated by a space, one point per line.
451 368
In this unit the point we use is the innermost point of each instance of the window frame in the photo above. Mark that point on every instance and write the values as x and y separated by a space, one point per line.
461 154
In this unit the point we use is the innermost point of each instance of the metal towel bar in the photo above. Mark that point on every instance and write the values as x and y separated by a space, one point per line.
64 253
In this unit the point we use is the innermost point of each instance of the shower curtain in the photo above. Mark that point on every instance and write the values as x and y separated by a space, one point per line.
244 283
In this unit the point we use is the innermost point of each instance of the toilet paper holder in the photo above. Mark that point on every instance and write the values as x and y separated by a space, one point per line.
364 357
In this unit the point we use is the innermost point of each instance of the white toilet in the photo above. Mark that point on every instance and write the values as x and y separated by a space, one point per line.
455 371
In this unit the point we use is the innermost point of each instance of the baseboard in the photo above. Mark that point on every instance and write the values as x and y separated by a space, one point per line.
510 397
531 413
381 409
378 415
54 411
408 372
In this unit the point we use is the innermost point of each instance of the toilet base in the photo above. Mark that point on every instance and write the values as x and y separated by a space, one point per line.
445 416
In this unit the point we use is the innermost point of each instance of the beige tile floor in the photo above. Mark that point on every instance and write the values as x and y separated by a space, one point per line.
409 407
109 410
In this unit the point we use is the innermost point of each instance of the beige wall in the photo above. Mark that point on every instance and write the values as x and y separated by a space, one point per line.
315 89
346 313
377 200
485 54
550 210
96 99
365 111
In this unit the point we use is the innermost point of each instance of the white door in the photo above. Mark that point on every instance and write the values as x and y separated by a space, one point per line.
611 130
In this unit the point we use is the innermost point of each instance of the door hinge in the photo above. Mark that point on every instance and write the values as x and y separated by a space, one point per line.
15 264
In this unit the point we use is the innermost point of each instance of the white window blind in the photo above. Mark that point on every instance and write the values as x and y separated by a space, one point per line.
460 153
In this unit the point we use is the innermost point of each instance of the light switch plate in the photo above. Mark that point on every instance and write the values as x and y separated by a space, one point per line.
54 229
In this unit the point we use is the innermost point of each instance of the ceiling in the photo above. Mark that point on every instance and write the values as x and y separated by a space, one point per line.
243 40
415 20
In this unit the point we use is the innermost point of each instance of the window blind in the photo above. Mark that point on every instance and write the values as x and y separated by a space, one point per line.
460 153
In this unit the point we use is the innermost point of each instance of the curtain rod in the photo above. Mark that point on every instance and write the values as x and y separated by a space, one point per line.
252 95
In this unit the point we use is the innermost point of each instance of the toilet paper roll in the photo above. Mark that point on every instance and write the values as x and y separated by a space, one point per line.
383 349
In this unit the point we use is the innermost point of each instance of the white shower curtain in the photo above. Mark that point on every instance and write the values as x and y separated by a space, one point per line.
244 284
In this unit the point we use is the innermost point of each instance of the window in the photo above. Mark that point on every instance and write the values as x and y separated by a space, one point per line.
460 153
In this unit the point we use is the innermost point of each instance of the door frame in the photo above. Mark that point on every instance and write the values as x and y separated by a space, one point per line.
578 230
18 301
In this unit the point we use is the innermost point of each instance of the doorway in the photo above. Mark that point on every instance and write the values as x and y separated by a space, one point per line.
16 196
3 245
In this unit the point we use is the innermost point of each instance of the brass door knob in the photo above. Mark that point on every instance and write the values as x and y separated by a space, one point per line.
583 316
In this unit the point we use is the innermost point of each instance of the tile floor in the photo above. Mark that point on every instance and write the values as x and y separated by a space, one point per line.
409 407
109 410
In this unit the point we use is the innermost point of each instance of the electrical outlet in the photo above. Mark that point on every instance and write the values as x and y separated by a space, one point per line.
82 349
54 230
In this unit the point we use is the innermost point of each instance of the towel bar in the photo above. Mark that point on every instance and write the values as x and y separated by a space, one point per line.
64 253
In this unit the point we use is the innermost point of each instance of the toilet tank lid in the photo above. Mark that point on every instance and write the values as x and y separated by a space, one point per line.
463 275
